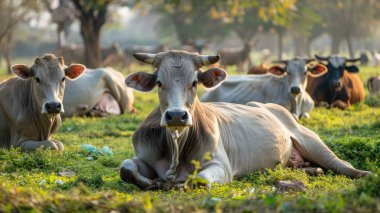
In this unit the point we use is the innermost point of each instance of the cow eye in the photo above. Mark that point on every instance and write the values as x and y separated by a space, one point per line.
195 83
159 84
63 79
38 80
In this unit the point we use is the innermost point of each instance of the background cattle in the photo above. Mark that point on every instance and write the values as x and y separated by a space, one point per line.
109 56
31 103
257 70
240 139
99 92
340 87
264 65
285 85
373 84
236 56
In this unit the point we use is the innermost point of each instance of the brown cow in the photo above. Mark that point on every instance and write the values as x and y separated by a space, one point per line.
373 84
31 103
257 70
340 87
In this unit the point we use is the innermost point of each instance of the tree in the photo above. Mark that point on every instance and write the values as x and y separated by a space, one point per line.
64 15
92 16
12 13
305 27
346 20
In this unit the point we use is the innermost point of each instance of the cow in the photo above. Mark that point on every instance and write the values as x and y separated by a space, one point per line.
284 85
109 56
263 67
258 70
373 84
239 139
235 56
340 87
31 103
98 92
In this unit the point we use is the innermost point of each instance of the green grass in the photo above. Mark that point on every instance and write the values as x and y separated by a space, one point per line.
28 181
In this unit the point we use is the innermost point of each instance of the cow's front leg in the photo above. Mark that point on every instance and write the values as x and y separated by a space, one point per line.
32 145
59 144
214 173
340 104
137 172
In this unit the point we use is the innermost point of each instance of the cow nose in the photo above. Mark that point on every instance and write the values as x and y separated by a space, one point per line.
176 117
335 84
53 107
295 90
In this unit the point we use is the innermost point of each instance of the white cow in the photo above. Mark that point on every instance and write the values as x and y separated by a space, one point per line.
284 85
240 139
98 92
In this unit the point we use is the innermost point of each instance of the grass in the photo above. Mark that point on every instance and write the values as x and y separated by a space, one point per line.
29 182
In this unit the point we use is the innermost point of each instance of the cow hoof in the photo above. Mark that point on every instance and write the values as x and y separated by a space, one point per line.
59 145
305 115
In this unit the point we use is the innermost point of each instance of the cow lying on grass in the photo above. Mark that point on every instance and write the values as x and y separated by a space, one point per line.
98 92
240 138
284 85
340 87
31 103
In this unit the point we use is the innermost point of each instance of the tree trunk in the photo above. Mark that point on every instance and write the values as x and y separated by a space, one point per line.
280 44
335 45
91 40
349 44
59 41
7 52
7 58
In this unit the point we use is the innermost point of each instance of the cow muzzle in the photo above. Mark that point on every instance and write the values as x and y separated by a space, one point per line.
295 90
176 118
335 84
53 108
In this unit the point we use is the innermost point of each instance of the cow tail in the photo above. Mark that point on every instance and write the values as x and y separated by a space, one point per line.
315 151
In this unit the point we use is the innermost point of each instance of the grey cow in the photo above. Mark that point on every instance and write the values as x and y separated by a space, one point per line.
98 92
240 138
31 103
284 85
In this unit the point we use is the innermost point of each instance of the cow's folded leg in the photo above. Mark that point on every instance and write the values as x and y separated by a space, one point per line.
138 173
305 115
59 144
340 104
313 170
31 145
214 173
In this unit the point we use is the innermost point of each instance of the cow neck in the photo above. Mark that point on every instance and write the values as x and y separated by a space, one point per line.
187 146
43 122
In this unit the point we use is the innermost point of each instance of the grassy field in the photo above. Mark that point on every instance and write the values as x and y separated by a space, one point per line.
30 182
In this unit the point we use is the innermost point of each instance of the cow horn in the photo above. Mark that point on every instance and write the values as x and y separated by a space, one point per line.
209 59
320 58
353 60
145 57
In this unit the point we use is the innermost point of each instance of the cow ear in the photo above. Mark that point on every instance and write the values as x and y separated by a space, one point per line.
317 70
141 81
212 77
74 71
352 69
277 70
22 71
